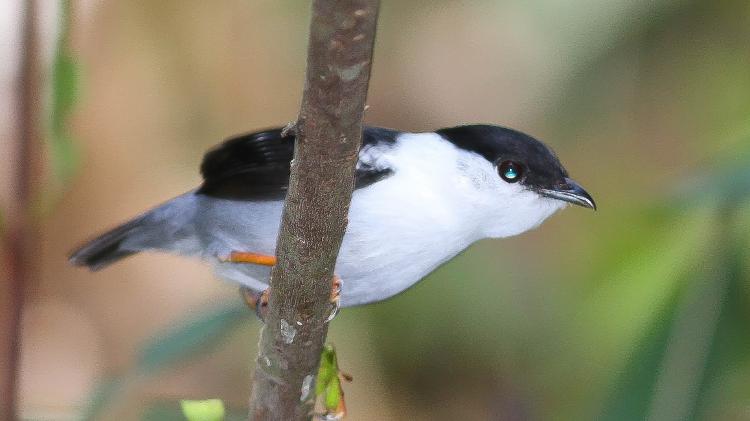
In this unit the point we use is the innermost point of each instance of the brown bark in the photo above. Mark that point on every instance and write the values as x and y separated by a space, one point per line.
329 130
18 228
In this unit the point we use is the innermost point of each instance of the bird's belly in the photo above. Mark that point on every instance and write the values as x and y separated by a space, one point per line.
384 251
373 277
393 240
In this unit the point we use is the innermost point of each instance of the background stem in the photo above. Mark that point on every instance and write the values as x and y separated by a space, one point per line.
18 233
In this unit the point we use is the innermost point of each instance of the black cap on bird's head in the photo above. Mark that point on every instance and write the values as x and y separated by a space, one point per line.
519 158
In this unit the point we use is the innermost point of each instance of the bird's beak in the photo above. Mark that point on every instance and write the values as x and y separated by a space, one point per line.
571 192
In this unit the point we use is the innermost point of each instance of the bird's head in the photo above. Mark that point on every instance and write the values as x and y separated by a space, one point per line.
526 182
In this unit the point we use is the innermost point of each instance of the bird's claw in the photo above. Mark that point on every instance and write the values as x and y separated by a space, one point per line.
259 302
289 129
335 299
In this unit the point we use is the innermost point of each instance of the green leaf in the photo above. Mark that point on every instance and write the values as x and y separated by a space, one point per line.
328 369
728 186
729 348
635 386
205 410
185 340
102 395
680 360
636 292
328 384
172 411
333 394
65 89
65 82
189 337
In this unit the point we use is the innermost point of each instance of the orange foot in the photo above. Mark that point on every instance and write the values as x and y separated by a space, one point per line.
259 302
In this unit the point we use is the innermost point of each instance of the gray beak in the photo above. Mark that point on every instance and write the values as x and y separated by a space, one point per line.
571 192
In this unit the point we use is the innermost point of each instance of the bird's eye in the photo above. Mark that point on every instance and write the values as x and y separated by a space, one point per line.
510 171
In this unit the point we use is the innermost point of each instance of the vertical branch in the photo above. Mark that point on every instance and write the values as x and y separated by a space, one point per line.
18 227
329 130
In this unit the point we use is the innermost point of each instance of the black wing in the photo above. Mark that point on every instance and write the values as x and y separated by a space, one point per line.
256 166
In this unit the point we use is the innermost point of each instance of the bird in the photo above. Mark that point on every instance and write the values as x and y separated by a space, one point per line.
419 200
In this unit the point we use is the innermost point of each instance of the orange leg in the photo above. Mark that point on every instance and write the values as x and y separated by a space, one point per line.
251 258
259 302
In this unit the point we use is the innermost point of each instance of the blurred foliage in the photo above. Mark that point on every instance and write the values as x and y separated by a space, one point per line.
203 410
172 412
197 334
639 311
671 375
191 336
65 93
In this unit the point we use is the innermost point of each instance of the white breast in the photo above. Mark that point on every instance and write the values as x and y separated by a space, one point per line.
402 228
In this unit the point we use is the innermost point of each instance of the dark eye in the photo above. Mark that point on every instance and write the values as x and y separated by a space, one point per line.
510 171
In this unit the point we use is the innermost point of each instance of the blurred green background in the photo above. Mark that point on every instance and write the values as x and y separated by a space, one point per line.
637 311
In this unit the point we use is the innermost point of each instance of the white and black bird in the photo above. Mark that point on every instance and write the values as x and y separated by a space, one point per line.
419 200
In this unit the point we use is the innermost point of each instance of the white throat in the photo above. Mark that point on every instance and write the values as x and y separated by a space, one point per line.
460 191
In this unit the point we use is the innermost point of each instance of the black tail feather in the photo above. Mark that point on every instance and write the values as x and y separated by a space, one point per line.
107 248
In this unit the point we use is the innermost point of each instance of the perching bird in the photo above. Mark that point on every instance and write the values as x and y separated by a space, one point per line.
419 200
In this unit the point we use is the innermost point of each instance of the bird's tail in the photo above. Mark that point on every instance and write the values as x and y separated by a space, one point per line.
108 247
156 229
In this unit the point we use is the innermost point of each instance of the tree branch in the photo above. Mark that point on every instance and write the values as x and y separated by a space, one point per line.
329 130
